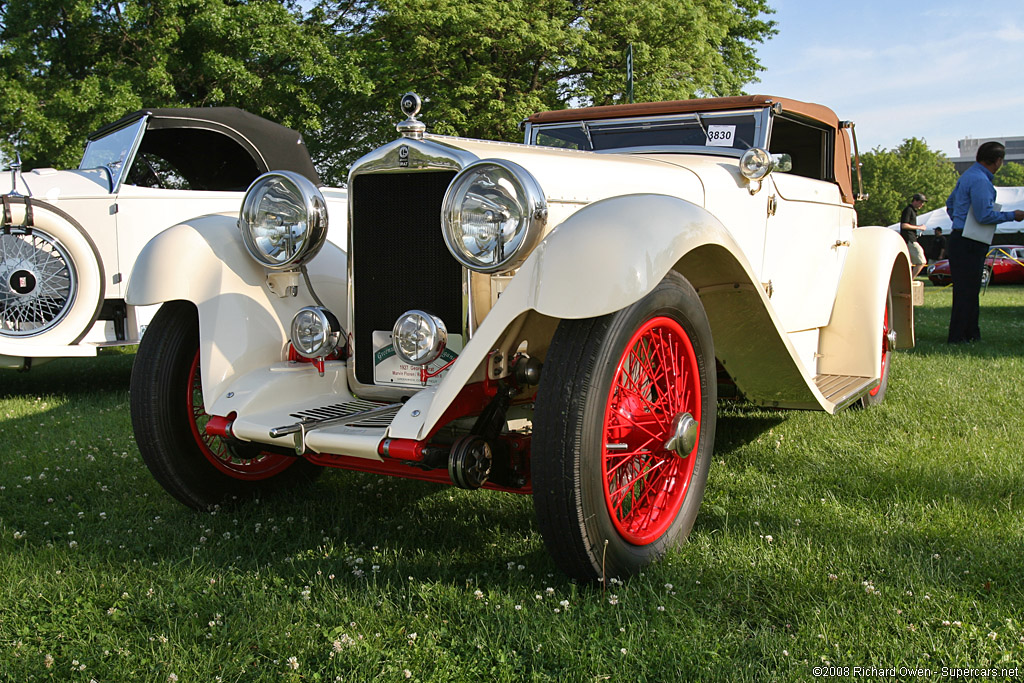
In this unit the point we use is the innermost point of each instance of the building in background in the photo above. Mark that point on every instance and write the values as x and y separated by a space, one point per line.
969 148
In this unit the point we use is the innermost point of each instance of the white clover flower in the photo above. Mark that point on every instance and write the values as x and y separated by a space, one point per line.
613 600
478 594
622 650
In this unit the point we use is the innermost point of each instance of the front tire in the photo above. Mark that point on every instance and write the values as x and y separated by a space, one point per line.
611 488
169 420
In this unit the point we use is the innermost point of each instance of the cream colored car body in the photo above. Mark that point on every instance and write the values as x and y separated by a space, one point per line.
795 293
111 225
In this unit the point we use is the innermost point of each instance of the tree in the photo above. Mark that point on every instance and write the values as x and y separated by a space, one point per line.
70 66
483 66
336 72
1010 175
891 177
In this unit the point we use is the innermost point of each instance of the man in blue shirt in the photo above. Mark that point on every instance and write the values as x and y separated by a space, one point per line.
973 192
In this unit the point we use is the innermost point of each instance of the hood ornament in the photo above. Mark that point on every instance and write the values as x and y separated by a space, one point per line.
411 128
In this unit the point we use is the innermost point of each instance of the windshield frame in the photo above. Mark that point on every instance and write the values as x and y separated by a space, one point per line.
127 139
760 116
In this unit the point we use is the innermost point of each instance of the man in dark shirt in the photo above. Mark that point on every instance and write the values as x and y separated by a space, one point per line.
910 231
938 245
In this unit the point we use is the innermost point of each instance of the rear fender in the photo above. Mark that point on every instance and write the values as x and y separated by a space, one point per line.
242 323
851 343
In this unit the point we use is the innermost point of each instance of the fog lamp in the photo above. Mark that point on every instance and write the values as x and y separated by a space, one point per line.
419 337
315 332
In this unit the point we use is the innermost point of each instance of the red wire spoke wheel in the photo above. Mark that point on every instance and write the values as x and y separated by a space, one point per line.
169 419
262 466
877 395
624 428
655 381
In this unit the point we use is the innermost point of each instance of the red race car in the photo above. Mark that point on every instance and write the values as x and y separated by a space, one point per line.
1004 265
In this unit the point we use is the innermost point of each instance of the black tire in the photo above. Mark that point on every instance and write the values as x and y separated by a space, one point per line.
578 408
986 276
877 395
169 420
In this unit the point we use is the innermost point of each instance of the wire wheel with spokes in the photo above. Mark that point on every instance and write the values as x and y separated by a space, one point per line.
37 282
169 418
624 430
51 278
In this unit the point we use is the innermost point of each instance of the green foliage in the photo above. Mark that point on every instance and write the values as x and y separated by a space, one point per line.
337 71
891 177
68 67
484 66
1010 175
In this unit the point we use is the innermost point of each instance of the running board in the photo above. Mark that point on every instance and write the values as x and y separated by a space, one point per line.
349 414
842 390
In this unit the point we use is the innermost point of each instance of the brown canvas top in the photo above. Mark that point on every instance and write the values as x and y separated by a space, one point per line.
817 112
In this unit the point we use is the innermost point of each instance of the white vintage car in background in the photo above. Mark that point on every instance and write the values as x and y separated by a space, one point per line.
70 238
552 318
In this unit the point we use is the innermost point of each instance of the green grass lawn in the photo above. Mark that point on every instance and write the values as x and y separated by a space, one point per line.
875 538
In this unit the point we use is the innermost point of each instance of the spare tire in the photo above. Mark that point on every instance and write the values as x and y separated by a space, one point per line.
51 277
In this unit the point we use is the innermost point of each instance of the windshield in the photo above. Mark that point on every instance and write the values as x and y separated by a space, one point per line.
737 131
112 151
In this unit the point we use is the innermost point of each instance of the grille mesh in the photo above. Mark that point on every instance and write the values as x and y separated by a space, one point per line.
399 259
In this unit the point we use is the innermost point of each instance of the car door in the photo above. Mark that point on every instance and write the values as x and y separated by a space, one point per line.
806 244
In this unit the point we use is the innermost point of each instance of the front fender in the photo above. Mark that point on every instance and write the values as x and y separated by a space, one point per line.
612 253
609 255
242 323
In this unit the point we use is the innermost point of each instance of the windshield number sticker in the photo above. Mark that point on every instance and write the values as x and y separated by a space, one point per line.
721 136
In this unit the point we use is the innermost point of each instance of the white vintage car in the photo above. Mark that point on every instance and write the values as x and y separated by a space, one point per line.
70 238
552 318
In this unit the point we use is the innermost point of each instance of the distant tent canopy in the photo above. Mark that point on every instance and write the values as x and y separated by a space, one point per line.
1008 198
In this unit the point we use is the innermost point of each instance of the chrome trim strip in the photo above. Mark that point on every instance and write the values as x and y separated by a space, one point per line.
309 424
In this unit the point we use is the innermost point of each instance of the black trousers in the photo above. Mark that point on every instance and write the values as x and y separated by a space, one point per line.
966 263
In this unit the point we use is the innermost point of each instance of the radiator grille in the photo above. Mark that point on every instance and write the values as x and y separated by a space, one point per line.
399 260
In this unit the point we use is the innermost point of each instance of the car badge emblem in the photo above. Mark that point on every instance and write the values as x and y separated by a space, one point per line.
403 156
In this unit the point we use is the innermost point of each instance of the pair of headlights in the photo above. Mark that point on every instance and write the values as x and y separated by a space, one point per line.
491 218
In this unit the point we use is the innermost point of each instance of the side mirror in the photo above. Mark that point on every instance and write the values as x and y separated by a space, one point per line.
783 163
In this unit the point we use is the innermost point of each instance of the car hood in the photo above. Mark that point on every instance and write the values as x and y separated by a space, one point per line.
579 178
49 184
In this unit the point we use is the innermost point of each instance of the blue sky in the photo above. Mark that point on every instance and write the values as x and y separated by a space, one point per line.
939 70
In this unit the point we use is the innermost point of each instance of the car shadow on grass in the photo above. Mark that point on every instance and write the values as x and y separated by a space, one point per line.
111 370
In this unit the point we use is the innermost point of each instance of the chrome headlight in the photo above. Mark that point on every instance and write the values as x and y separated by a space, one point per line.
419 337
283 220
315 332
755 164
492 216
